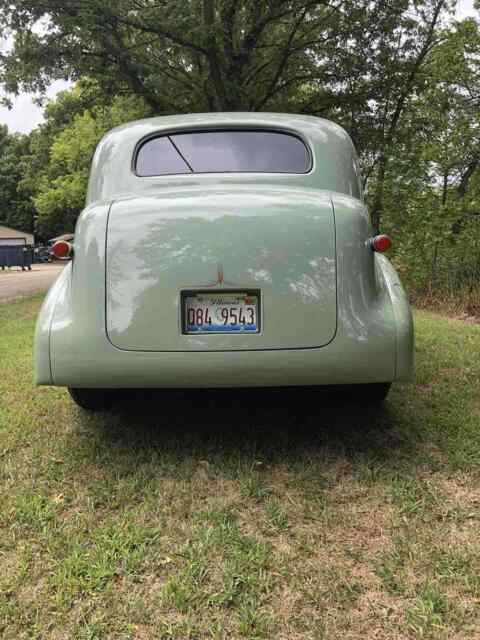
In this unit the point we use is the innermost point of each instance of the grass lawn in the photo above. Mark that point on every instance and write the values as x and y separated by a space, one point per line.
242 515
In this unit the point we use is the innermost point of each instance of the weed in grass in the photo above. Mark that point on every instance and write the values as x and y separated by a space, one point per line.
373 472
36 512
253 623
414 498
393 566
427 616
334 585
276 517
185 629
253 486
178 594
347 592
10 612
460 568
137 611
83 566
390 574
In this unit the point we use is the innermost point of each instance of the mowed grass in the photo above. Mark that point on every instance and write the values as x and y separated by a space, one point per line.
242 515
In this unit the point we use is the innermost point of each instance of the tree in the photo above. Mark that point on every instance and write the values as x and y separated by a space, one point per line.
358 61
58 114
16 208
378 65
180 56
59 186
432 195
401 76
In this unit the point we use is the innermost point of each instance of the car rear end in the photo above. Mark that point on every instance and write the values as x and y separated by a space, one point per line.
222 258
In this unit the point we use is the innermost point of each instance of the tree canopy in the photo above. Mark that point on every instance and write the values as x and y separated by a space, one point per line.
403 78
16 209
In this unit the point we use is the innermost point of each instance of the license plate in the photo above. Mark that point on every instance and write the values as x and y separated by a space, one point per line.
236 312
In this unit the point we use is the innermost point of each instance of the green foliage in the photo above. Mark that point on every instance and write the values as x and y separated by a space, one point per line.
179 56
432 186
62 182
16 209
402 77
354 58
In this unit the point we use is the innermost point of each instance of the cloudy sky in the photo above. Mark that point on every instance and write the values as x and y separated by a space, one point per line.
25 114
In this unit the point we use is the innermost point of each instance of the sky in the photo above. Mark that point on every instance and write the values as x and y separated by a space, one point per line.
26 115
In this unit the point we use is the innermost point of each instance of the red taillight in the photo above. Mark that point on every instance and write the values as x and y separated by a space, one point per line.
62 249
381 243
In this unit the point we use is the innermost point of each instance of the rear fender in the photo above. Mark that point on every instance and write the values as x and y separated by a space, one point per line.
366 318
77 325
57 293
404 339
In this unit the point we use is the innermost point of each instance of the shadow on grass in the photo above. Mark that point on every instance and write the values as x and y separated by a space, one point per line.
275 426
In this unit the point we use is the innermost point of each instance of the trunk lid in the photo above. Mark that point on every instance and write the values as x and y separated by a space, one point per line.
280 241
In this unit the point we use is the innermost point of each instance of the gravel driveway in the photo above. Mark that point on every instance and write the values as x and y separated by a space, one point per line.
15 283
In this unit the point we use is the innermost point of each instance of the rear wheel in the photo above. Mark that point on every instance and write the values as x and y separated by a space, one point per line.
368 394
93 399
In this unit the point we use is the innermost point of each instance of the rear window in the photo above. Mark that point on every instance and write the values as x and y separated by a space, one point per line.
223 152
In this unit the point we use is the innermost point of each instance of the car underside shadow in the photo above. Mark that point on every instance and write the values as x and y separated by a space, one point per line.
271 424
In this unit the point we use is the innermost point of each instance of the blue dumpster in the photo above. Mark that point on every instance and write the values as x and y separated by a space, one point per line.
15 255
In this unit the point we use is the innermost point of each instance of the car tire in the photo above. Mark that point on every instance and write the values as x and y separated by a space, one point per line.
368 394
93 399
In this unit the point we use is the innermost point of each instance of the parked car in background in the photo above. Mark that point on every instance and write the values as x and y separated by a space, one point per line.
225 250
42 254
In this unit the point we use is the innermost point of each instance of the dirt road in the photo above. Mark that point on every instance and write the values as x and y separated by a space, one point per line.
15 283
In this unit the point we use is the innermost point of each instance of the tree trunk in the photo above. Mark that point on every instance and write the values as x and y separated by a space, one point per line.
377 208
434 271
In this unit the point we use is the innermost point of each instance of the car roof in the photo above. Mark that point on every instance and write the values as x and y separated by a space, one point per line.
300 123
333 153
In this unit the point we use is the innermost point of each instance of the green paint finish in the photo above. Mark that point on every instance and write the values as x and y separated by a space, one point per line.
332 310
281 241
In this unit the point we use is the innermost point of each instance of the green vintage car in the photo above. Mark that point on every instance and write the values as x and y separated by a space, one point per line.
224 250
